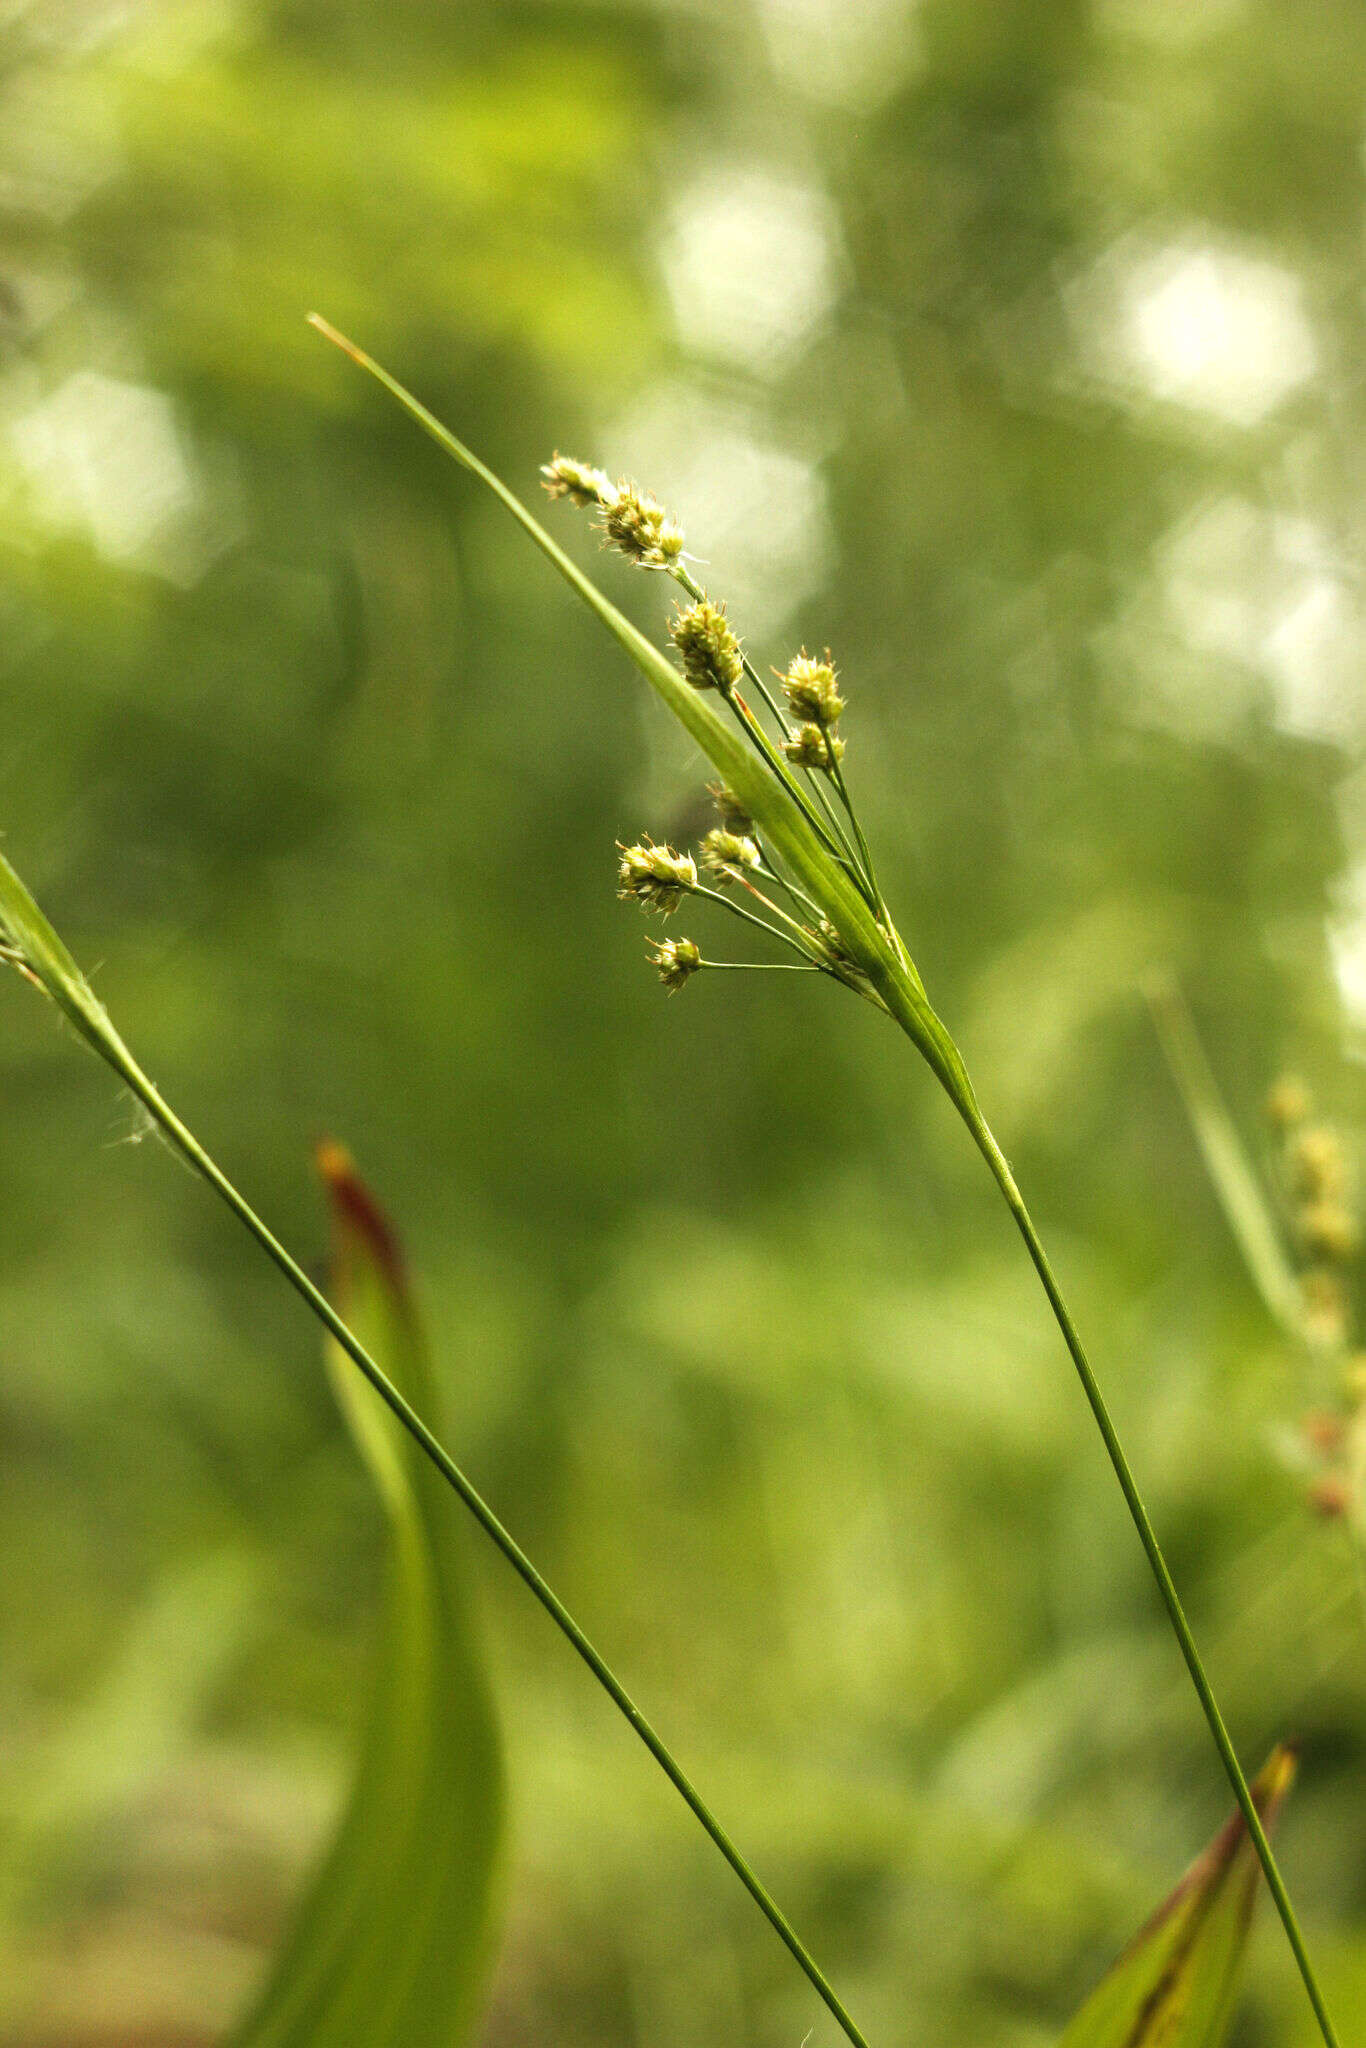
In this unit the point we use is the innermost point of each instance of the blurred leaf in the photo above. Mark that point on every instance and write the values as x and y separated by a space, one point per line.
391 1944
1174 1986
1235 1182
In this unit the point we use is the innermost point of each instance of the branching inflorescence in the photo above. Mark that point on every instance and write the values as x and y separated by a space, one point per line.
744 873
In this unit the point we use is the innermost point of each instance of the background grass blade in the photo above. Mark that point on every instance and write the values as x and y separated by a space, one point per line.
1231 1172
391 1945
1175 1985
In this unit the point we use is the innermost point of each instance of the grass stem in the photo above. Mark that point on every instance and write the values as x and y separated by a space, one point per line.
1161 1572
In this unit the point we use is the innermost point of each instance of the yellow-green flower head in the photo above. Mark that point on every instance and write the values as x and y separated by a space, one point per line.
677 960
1325 1306
810 747
811 688
731 811
710 651
1318 1163
726 854
1327 1231
639 527
1288 1103
577 481
655 877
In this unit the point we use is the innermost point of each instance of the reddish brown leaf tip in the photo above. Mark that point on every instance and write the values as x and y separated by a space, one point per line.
338 339
354 1208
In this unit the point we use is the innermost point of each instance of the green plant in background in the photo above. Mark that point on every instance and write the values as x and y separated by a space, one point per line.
1297 1229
816 851
392 1942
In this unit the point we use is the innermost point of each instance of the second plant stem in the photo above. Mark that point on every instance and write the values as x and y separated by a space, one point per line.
1161 1572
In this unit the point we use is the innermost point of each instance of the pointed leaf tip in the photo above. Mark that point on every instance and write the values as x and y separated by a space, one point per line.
356 1214
1176 1983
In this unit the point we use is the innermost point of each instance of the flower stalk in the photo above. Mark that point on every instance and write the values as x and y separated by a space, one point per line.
834 871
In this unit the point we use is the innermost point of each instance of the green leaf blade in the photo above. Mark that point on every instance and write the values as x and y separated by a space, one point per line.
1176 1984
392 1941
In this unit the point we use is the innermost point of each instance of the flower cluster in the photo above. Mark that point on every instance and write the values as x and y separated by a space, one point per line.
677 960
655 877
742 873
1314 1184
632 521
1315 1188
729 809
727 854
811 688
580 482
711 653
639 528
811 746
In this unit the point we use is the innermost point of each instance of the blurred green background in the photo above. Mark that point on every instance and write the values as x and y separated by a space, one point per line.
1019 352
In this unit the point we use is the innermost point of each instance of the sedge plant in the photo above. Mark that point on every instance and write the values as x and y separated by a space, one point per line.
790 858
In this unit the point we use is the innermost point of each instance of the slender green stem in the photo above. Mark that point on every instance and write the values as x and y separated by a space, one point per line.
760 923
1171 1599
190 1148
837 776
845 849
798 895
764 966
813 780
834 839
803 933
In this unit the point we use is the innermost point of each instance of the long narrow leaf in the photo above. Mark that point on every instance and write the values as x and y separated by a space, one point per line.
391 1943
1234 1178
1175 1985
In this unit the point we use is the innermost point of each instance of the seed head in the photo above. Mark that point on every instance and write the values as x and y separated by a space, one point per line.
1331 1496
731 811
710 650
725 854
811 688
655 877
1318 1164
677 960
1324 1431
811 747
577 481
1327 1231
1288 1103
1325 1306
639 528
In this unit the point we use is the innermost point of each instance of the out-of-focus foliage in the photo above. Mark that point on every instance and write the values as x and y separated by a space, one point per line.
1014 351
391 1943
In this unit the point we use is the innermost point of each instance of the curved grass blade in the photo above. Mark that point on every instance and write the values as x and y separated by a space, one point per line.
392 1942
1176 1984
